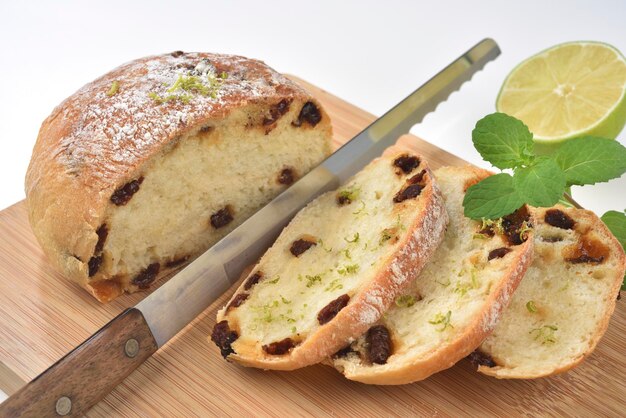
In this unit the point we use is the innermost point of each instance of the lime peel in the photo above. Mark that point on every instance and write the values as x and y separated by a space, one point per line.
557 95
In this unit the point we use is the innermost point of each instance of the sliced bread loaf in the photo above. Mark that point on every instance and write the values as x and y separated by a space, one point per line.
563 305
336 267
144 168
456 300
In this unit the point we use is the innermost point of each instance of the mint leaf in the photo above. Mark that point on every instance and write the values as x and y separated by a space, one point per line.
540 184
492 198
616 222
503 141
590 160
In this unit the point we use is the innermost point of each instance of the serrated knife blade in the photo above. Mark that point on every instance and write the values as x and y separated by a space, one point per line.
204 280
113 352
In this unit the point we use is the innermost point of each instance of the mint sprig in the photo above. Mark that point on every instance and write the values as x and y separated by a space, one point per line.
507 143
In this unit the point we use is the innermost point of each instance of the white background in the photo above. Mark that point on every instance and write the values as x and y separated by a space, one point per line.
371 53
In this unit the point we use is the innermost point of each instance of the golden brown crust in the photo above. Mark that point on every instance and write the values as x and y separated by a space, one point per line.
589 221
94 142
417 247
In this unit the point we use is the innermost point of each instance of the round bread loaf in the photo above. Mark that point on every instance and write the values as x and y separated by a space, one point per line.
143 169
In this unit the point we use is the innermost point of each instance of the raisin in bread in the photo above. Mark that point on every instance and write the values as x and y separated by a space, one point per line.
563 305
144 168
456 300
336 267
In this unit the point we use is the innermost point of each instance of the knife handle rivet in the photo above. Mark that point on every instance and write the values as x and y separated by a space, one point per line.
63 406
131 348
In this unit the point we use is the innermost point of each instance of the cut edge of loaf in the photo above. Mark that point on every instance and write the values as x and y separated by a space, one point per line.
413 369
245 168
366 308
591 223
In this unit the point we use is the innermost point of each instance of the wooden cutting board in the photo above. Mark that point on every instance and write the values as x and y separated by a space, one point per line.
42 316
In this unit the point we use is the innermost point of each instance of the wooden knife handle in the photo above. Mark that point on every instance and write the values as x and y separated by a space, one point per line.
88 373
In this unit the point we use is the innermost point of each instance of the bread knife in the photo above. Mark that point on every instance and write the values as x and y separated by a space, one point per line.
88 373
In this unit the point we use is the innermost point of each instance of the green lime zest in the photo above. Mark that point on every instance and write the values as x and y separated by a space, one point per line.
312 280
443 320
349 194
405 301
545 334
186 86
115 88
354 239
349 269
334 285
274 280
325 248
361 210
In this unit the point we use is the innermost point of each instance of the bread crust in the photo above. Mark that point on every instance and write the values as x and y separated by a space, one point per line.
426 233
592 222
480 328
95 142
413 370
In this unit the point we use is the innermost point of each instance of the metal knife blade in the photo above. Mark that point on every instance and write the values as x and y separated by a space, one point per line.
175 304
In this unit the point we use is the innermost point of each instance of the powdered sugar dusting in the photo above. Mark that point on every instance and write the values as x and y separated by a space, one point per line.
490 320
375 299
368 314
112 133
373 306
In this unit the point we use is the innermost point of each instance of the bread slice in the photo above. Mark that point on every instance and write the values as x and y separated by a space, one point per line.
336 267
563 305
146 167
456 300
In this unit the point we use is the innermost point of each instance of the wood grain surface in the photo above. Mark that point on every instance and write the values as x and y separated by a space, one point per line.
80 379
42 317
